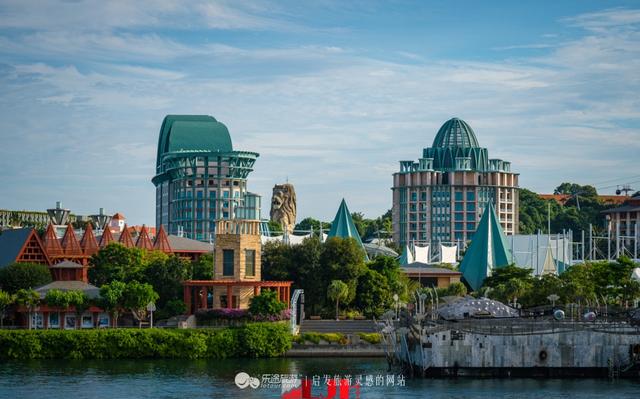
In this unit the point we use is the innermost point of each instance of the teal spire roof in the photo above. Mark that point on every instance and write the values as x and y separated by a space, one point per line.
343 225
488 250
456 133
192 133
457 141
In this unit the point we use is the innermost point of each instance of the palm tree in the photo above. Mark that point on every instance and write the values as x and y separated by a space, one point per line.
337 291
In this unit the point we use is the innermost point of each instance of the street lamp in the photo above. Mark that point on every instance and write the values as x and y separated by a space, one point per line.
395 299
151 307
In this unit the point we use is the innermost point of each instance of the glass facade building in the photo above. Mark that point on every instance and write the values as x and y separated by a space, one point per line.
200 178
441 197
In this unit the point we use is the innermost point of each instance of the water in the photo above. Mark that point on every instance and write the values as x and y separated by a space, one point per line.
215 379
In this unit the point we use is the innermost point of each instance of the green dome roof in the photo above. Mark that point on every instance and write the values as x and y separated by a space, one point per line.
192 133
455 133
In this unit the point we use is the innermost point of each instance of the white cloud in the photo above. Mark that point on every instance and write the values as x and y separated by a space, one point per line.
332 120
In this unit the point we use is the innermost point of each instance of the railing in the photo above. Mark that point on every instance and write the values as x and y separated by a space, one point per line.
525 327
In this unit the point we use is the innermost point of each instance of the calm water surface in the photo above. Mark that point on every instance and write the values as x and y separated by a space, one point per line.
215 379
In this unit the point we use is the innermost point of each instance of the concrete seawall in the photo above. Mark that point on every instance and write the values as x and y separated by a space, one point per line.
543 353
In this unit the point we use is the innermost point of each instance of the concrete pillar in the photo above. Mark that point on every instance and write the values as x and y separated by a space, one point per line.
203 299
187 298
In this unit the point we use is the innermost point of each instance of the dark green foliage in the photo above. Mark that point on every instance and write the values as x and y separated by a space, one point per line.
252 340
264 339
373 295
276 261
202 269
312 266
601 281
266 304
274 227
309 224
372 228
116 262
504 274
534 210
166 277
17 276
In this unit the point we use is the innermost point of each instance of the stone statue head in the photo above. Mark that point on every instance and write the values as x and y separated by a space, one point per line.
283 206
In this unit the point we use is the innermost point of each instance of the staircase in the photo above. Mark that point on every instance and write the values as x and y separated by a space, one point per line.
341 326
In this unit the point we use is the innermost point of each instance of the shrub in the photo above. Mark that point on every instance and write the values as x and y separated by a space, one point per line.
314 337
372 338
266 304
252 340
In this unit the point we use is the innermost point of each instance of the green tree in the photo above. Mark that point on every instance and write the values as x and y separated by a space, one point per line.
19 276
136 298
6 299
275 227
309 224
266 304
276 261
373 295
202 268
456 289
112 299
28 298
343 259
338 291
79 300
116 262
305 272
57 298
504 274
166 276
389 267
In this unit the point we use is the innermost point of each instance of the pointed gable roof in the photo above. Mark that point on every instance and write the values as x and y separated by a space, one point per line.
162 241
143 240
50 242
125 238
407 256
88 243
70 243
107 238
343 225
488 250
14 244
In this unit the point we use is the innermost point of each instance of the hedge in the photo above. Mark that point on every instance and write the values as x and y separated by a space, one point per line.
251 340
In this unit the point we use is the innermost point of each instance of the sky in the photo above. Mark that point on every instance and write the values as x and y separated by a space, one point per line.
332 94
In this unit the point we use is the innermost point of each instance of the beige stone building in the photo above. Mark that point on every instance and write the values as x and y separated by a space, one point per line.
441 197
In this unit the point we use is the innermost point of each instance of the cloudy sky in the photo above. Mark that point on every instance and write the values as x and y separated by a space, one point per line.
332 94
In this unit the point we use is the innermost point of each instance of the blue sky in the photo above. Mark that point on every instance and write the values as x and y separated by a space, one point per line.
332 94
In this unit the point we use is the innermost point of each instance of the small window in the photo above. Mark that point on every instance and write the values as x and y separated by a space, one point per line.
250 262
227 262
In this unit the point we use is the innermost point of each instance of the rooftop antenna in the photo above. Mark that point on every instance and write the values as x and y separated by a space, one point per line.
626 188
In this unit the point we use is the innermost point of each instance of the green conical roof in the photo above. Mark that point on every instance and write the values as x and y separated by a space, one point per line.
455 133
343 225
488 250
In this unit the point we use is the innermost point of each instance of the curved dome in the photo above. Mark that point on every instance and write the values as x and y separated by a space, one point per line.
192 133
456 133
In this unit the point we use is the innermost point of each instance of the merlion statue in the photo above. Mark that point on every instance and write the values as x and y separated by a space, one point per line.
283 206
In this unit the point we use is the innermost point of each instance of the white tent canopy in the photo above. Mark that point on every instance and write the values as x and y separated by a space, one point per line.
448 254
421 254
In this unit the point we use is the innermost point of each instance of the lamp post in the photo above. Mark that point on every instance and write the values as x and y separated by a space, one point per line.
151 307
395 299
